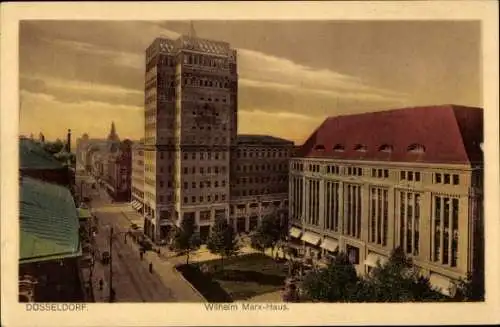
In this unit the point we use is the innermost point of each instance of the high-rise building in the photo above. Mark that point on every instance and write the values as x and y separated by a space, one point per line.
137 187
409 178
191 87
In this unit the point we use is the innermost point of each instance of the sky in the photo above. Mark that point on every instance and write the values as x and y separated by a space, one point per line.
292 74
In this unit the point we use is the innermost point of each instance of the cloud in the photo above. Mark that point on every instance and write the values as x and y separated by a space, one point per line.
41 112
264 71
295 127
81 91
97 70
119 58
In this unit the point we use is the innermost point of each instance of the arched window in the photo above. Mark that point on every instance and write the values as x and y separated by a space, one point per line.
319 147
416 148
360 148
385 148
338 148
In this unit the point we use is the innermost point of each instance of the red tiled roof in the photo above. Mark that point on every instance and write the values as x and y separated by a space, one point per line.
447 134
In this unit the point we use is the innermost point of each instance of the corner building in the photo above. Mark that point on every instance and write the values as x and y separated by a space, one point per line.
410 178
191 87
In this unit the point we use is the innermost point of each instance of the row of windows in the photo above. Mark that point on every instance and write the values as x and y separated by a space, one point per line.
205 184
204 199
270 153
354 171
379 216
204 140
207 170
444 220
409 222
268 190
205 155
265 179
266 167
380 173
439 178
410 176
331 169
190 97
206 61
446 179
445 231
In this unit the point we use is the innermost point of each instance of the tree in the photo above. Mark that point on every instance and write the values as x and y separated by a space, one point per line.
335 283
185 238
267 235
470 288
222 240
397 281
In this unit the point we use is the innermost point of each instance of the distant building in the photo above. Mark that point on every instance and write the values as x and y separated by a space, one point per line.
410 178
119 171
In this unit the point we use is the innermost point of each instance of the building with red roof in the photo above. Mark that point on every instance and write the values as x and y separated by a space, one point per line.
410 178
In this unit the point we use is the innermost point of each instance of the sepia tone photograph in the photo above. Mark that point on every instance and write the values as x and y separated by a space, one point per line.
250 164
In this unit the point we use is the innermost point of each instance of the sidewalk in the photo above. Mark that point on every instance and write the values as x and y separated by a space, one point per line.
100 272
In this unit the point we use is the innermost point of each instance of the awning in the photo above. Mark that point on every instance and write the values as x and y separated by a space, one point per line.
373 258
311 238
330 244
295 232
442 284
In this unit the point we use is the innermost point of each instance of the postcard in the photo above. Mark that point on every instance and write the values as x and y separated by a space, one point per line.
249 163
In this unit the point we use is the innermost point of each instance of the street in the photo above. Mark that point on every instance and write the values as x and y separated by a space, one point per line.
131 278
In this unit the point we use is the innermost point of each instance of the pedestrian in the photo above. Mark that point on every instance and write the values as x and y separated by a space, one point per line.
141 253
100 284
151 267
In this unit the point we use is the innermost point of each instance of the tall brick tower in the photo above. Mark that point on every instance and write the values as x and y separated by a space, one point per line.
191 88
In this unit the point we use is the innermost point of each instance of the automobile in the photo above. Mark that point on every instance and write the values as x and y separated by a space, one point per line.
105 257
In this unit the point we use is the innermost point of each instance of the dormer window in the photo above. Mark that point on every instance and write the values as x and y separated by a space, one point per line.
360 148
319 147
338 148
385 148
416 148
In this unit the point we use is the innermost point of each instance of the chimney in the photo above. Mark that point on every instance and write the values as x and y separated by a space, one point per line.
68 141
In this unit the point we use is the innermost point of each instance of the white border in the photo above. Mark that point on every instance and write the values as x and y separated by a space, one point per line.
303 314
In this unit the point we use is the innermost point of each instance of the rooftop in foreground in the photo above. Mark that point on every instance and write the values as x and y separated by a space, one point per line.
48 222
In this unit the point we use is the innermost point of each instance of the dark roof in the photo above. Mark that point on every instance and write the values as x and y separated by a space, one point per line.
48 222
433 134
33 156
261 139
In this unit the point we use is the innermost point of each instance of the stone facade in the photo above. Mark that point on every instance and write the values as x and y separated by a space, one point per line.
191 123
137 189
367 208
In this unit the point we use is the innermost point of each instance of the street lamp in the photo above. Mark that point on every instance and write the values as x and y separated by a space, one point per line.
112 234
